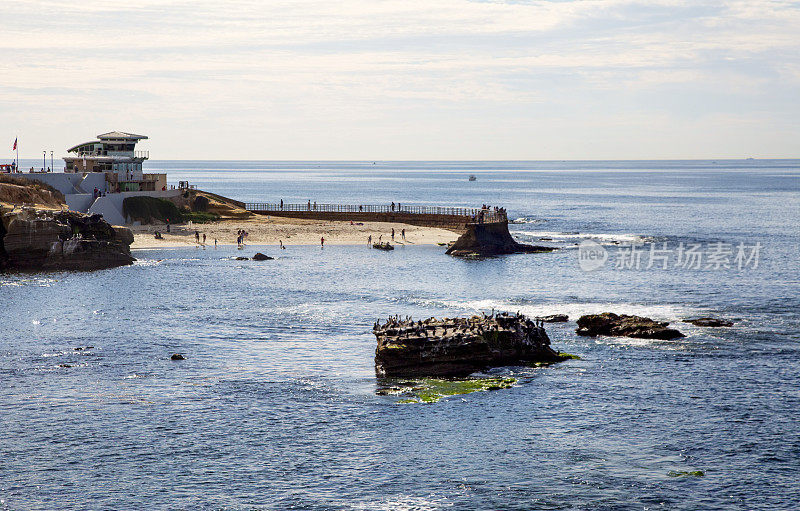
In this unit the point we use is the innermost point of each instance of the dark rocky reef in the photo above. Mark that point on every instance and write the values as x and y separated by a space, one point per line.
261 257
623 325
459 346
709 322
490 239
46 240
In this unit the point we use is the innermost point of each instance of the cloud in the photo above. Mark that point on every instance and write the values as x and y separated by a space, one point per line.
257 65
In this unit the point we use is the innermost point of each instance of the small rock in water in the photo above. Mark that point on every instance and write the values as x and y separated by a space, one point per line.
242 258
710 322
261 257
555 318
623 325
177 356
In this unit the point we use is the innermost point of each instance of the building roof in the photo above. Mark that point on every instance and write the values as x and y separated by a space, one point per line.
120 135
111 135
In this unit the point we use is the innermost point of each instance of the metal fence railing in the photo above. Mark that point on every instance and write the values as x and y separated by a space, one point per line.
473 214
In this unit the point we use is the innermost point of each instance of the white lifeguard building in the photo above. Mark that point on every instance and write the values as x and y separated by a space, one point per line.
99 175
115 154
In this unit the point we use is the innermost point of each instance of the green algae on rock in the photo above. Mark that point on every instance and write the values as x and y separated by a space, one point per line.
432 390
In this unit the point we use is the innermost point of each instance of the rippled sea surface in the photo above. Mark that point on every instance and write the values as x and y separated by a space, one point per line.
275 406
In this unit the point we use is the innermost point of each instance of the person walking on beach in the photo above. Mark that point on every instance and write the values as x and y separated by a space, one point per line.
403 234
369 240
215 242
280 242
322 242
197 236
204 238
167 224
392 233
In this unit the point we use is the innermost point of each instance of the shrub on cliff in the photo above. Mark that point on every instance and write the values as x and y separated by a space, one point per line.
200 203
199 217
146 209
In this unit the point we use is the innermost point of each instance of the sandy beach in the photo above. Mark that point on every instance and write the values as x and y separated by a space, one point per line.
264 230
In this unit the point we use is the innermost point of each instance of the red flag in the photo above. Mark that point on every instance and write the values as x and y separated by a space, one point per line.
15 145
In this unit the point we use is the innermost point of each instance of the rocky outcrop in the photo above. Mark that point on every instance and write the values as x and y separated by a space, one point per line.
38 239
555 318
709 322
261 257
490 239
459 346
623 325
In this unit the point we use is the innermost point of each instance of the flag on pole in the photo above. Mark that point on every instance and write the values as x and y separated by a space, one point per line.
15 145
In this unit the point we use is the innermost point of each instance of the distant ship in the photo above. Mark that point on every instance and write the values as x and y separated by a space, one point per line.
473 178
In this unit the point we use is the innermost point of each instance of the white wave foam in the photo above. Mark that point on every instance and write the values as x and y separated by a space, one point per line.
528 220
574 236
403 503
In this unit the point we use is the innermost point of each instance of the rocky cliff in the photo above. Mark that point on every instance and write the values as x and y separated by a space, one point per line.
459 346
489 239
34 239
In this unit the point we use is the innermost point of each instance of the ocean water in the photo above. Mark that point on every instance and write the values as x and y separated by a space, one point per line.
275 406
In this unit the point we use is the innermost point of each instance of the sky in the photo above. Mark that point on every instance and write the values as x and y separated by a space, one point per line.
404 79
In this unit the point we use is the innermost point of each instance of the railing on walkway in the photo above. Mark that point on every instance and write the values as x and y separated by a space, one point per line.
472 214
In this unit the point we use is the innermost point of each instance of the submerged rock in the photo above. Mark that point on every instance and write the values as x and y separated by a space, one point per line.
490 239
241 258
555 318
459 346
686 473
623 325
261 257
710 322
177 356
39 239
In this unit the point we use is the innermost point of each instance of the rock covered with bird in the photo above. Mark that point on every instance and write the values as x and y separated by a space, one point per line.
459 346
